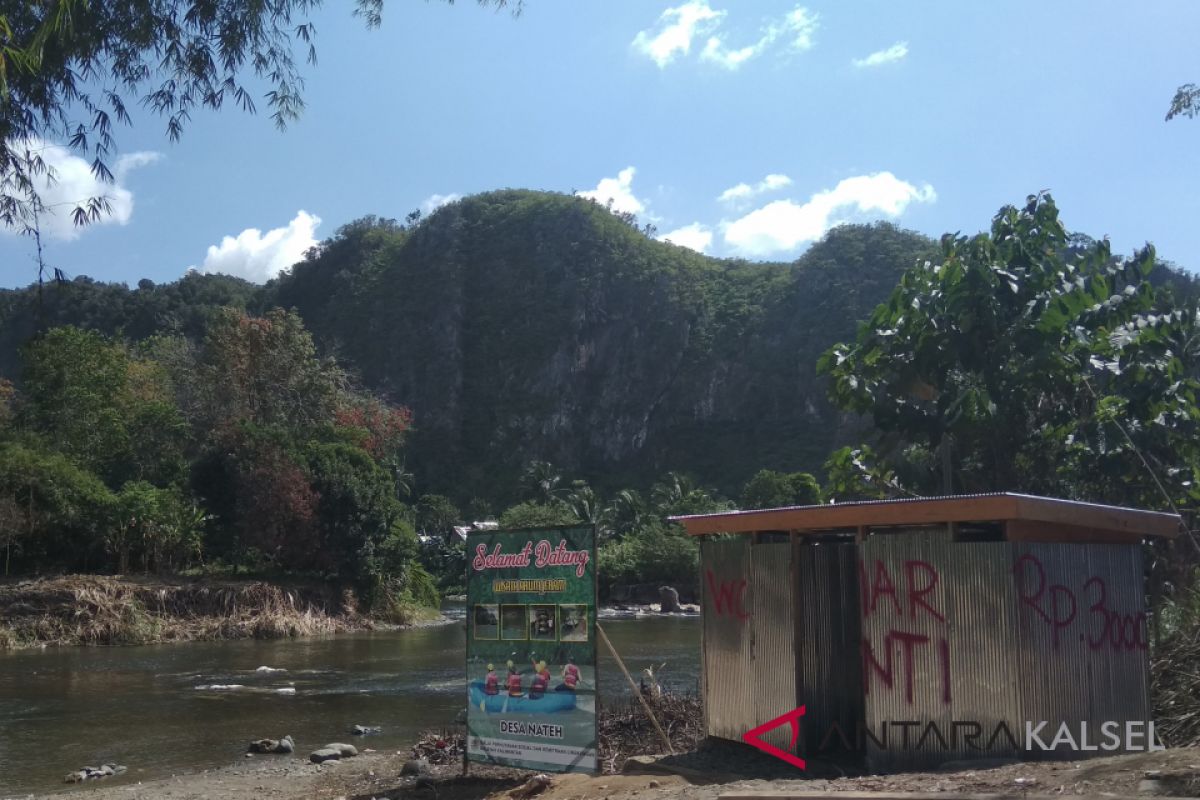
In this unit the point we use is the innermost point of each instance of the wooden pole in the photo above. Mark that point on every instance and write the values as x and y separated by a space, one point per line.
653 719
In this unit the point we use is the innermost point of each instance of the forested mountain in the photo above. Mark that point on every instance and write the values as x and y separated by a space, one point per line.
522 325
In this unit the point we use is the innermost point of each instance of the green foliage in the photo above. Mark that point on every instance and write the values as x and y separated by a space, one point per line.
265 370
109 411
677 494
247 450
854 473
54 512
532 514
1022 361
567 337
394 576
655 553
436 515
1186 102
541 482
770 489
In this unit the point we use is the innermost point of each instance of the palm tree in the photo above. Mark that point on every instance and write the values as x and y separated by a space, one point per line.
585 503
541 481
670 493
626 513
677 494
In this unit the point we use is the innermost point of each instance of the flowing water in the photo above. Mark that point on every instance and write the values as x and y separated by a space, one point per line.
174 708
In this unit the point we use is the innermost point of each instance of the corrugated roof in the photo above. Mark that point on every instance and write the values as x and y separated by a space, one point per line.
1073 515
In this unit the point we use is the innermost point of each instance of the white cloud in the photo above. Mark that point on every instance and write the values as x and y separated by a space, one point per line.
619 190
436 201
744 191
675 30
71 184
801 24
894 53
258 256
716 51
784 225
696 236
678 27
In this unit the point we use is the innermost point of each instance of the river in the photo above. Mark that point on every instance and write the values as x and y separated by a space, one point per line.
63 708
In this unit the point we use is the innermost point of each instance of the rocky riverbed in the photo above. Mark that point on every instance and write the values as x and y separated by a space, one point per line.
1170 773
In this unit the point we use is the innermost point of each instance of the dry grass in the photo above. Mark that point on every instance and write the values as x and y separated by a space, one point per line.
95 610
626 731
1175 687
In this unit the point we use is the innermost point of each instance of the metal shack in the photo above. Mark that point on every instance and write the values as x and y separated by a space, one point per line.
929 630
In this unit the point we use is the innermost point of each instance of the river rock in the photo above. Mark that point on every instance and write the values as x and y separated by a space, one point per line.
365 730
284 745
344 750
461 717
415 766
89 773
668 599
324 754
270 669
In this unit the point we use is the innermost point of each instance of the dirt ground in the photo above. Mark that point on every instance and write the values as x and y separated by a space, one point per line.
1175 773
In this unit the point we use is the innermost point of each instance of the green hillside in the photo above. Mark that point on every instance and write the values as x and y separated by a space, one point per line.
523 325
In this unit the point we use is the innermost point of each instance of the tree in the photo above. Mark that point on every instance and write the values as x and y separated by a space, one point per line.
379 428
266 371
1186 102
1021 362
626 512
356 510
61 510
436 515
541 481
655 553
12 527
70 68
771 489
677 493
75 382
585 503
532 514
107 410
138 518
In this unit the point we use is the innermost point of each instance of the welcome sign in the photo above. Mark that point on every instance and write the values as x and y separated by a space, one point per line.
531 648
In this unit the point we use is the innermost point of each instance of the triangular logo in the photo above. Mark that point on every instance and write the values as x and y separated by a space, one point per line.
791 717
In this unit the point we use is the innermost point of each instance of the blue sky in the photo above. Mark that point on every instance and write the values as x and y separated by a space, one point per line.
744 129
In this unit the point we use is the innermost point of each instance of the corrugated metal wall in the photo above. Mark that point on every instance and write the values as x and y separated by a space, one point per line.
729 695
1082 626
940 650
938 623
829 637
773 624
752 619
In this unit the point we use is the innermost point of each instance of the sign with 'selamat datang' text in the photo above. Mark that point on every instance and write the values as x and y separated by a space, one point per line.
531 648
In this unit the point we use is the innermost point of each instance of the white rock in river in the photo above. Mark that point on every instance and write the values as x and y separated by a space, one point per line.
270 669
286 690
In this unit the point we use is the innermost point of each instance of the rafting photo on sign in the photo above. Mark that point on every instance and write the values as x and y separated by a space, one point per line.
531 691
